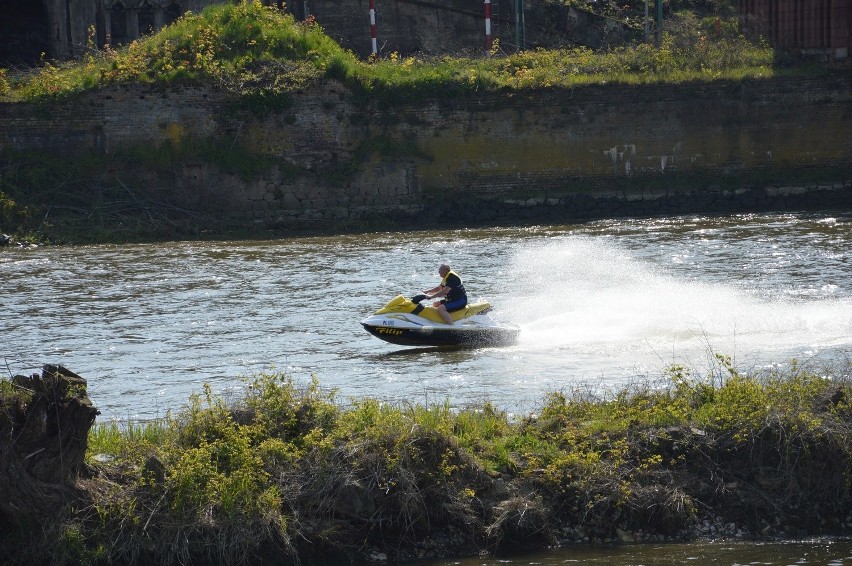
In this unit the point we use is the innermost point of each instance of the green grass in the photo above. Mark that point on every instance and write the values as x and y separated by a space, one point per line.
289 467
261 54
125 438
237 45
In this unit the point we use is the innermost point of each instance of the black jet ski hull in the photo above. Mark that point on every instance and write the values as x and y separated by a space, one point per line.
448 336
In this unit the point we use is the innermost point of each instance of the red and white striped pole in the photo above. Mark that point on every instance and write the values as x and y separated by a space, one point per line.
488 25
373 27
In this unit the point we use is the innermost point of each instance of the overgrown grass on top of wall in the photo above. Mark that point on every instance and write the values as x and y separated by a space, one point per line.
290 468
236 46
257 51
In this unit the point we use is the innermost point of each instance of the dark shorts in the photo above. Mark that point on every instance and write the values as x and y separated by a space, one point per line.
456 305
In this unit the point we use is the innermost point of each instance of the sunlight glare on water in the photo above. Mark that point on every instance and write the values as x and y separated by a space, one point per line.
600 305
590 296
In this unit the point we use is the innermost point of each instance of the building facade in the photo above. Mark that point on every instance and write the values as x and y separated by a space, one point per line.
61 29
819 28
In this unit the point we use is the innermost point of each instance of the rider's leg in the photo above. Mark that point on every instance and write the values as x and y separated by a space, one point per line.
442 310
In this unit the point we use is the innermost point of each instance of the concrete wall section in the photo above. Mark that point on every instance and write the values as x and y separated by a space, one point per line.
577 153
624 131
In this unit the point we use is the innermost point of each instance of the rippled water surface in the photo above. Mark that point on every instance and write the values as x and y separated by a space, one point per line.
792 553
599 304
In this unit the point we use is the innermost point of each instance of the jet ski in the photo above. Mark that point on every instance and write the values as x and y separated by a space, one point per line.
406 322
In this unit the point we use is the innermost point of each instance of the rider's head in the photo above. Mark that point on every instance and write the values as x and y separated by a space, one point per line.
443 269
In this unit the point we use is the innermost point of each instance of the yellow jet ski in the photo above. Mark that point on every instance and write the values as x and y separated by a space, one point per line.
406 322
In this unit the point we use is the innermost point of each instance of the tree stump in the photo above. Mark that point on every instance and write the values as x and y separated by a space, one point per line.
44 430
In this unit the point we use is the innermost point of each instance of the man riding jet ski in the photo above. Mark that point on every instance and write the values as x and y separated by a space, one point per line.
451 292
406 322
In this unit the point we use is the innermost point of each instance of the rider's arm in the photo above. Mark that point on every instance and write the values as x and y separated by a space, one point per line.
433 290
438 292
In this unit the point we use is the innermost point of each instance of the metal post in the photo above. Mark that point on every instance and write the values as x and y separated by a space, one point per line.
373 34
517 23
520 25
488 26
659 22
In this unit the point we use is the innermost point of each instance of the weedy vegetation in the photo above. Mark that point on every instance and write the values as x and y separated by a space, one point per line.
260 54
290 469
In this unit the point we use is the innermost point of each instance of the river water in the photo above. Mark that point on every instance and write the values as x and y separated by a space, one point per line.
819 552
600 305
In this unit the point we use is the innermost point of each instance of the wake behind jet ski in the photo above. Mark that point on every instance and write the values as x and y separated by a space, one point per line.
406 322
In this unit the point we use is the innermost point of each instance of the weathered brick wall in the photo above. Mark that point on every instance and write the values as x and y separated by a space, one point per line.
406 26
456 26
623 131
115 117
578 152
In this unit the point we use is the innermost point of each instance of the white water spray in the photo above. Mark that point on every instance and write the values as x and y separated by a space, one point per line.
587 297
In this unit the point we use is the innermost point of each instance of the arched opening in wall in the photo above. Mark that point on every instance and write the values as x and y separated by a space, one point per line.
117 24
145 18
23 33
172 12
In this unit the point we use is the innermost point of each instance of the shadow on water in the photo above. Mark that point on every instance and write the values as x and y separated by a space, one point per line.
823 552
420 350
444 354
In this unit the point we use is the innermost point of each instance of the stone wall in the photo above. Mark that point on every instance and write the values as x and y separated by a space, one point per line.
555 154
458 26
406 26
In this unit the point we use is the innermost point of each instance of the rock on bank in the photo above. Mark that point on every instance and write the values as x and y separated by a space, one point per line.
44 429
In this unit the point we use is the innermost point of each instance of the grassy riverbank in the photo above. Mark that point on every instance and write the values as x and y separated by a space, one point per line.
289 473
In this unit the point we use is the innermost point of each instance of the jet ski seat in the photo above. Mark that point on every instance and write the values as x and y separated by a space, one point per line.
402 304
